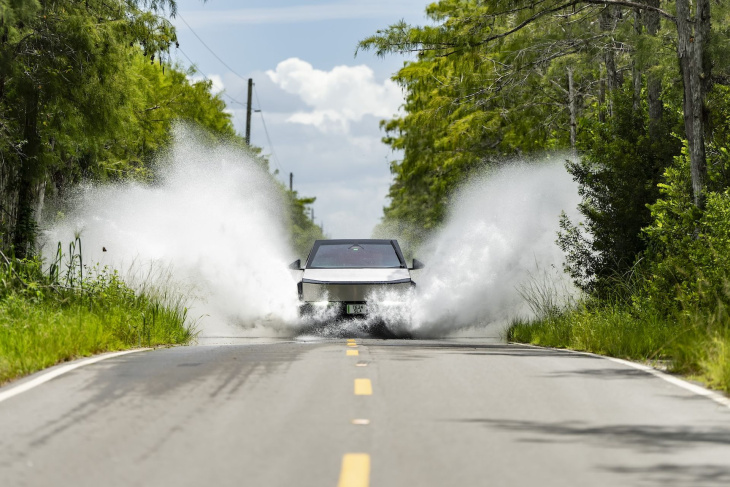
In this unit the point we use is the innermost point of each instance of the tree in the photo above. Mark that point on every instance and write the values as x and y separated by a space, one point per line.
161 96
471 103
491 23
87 93
303 229
61 62
623 161
693 42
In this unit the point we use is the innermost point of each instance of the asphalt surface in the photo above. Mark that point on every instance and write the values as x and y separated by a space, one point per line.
466 412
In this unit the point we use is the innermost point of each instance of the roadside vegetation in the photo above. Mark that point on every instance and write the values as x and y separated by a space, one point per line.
89 95
657 290
68 310
640 92
695 344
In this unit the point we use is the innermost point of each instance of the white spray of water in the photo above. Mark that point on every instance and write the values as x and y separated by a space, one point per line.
498 240
499 234
214 220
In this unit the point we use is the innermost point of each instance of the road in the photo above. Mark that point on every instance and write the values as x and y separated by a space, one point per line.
463 412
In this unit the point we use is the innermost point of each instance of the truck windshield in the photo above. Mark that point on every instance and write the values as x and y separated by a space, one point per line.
353 255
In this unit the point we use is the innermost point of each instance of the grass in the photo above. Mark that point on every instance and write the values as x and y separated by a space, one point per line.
72 311
610 330
695 344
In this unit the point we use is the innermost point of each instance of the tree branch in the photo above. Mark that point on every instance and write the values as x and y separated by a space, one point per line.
630 4
573 3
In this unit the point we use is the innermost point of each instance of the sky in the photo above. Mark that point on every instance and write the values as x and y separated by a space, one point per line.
320 104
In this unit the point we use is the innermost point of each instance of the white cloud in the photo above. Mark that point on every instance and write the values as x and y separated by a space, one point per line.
338 97
218 85
348 173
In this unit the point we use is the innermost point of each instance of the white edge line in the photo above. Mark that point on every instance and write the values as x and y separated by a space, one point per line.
688 386
42 379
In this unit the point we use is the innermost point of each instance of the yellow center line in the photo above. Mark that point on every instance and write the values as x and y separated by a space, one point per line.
363 387
353 352
355 470
352 344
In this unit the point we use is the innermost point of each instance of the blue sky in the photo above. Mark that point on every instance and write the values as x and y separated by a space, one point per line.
321 105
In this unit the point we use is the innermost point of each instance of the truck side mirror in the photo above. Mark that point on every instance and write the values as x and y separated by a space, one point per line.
417 264
296 265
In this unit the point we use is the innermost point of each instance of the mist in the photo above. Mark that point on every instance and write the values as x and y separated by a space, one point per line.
497 241
499 235
212 227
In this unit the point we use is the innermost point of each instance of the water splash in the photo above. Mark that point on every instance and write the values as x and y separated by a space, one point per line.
213 224
500 232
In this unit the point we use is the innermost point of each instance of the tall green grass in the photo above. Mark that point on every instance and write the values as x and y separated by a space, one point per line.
695 343
72 310
610 330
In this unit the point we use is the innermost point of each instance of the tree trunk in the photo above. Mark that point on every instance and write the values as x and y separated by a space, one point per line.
25 223
608 20
694 62
601 96
573 108
653 82
635 71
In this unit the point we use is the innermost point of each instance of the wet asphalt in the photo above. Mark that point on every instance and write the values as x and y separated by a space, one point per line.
463 412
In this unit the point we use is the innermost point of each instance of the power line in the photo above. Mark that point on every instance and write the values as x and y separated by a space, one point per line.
197 69
266 130
260 111
209 49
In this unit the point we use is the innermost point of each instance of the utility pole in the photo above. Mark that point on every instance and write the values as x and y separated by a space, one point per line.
248 112
291 181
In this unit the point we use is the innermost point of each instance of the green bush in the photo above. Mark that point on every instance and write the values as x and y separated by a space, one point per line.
689 268
620 166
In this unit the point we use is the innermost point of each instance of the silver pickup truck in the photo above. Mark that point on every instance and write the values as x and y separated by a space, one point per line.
342 276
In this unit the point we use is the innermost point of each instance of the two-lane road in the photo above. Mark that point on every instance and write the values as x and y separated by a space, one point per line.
363 412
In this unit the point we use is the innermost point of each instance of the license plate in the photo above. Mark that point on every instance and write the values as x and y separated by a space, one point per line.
357 309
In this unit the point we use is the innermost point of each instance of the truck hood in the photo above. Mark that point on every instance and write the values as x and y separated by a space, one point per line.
356 275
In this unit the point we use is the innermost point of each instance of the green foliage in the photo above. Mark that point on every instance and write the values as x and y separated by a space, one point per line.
87 93
610 329
618 173
64 94
673 306
688 267
696 344
73 311
303 229
483 87
689 248
162 96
